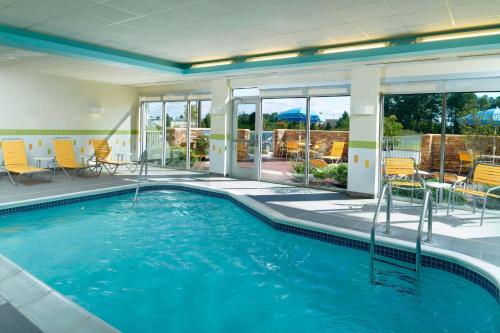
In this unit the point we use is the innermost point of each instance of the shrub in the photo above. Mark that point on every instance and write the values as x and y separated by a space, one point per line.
299 167
326 172
340 173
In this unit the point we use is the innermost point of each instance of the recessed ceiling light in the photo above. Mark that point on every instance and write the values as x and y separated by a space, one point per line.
212 63
273 57
354 48
458 35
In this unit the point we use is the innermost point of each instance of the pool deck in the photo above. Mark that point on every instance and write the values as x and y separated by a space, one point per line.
460 232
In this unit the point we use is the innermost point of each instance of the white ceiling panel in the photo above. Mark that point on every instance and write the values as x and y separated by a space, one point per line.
345 4
214 26
477 10
410 6
138 8
197 30
367 12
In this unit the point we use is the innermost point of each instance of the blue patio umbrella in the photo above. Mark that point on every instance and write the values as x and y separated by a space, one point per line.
485 117
298 115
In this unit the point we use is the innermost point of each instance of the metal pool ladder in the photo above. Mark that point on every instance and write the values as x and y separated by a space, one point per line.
426 211
144 167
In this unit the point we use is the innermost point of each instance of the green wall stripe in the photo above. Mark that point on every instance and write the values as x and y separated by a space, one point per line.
363 144
218 137
19 131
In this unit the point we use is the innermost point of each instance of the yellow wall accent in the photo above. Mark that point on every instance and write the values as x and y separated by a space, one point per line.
82 150
367 164
40 143
356 158
30 146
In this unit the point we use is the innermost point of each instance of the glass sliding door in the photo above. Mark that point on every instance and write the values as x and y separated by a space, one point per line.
153 131
199 134
176 124
283 142
473 136
412 129
246 114
329 138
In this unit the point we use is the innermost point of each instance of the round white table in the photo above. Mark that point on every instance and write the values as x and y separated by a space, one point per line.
439 189
40 159
48 160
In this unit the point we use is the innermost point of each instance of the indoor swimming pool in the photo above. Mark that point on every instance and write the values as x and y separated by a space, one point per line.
187 262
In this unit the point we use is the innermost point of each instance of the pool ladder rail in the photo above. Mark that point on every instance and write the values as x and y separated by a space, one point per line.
425 211
144 168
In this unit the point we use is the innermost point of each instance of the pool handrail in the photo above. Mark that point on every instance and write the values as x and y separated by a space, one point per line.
144 166
386 189
426 210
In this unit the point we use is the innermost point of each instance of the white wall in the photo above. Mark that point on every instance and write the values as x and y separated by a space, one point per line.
40 107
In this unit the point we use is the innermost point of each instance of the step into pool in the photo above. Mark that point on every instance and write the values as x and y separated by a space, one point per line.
187 262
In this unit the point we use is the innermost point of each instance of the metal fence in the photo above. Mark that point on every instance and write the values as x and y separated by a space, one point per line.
402 146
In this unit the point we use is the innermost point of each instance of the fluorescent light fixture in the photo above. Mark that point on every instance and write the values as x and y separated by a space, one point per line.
213 63
458 35
273 57
354 48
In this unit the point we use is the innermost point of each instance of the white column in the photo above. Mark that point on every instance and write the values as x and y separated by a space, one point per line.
364 132
220 127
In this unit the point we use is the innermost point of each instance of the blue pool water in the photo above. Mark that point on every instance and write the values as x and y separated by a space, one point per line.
183 262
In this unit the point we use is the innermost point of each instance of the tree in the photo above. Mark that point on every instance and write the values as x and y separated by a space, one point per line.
459 105
343 122
420 113
205 123
392 127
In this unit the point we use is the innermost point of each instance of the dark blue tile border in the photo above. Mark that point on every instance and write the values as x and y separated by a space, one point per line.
398 254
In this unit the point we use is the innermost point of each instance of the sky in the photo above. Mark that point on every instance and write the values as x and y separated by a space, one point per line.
327 107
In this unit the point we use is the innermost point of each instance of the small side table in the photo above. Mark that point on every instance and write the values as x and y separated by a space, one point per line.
49 161
121 156
439 189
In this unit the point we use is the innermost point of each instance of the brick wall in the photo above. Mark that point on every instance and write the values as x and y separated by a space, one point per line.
431 146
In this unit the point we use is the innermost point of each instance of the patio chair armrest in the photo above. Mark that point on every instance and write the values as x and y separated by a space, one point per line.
458 184
493 189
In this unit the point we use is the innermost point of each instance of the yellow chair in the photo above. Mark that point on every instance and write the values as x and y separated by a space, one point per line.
102 152
16 161
337 152
484 179
318 163
293 148
466 160
66 159
402 173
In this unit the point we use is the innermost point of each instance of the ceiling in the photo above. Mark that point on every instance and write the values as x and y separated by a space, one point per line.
42 63
198 30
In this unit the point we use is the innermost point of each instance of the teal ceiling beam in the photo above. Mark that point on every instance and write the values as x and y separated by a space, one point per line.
34 41
398 48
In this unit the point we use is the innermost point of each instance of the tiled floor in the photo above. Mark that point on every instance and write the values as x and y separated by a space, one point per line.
460 232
